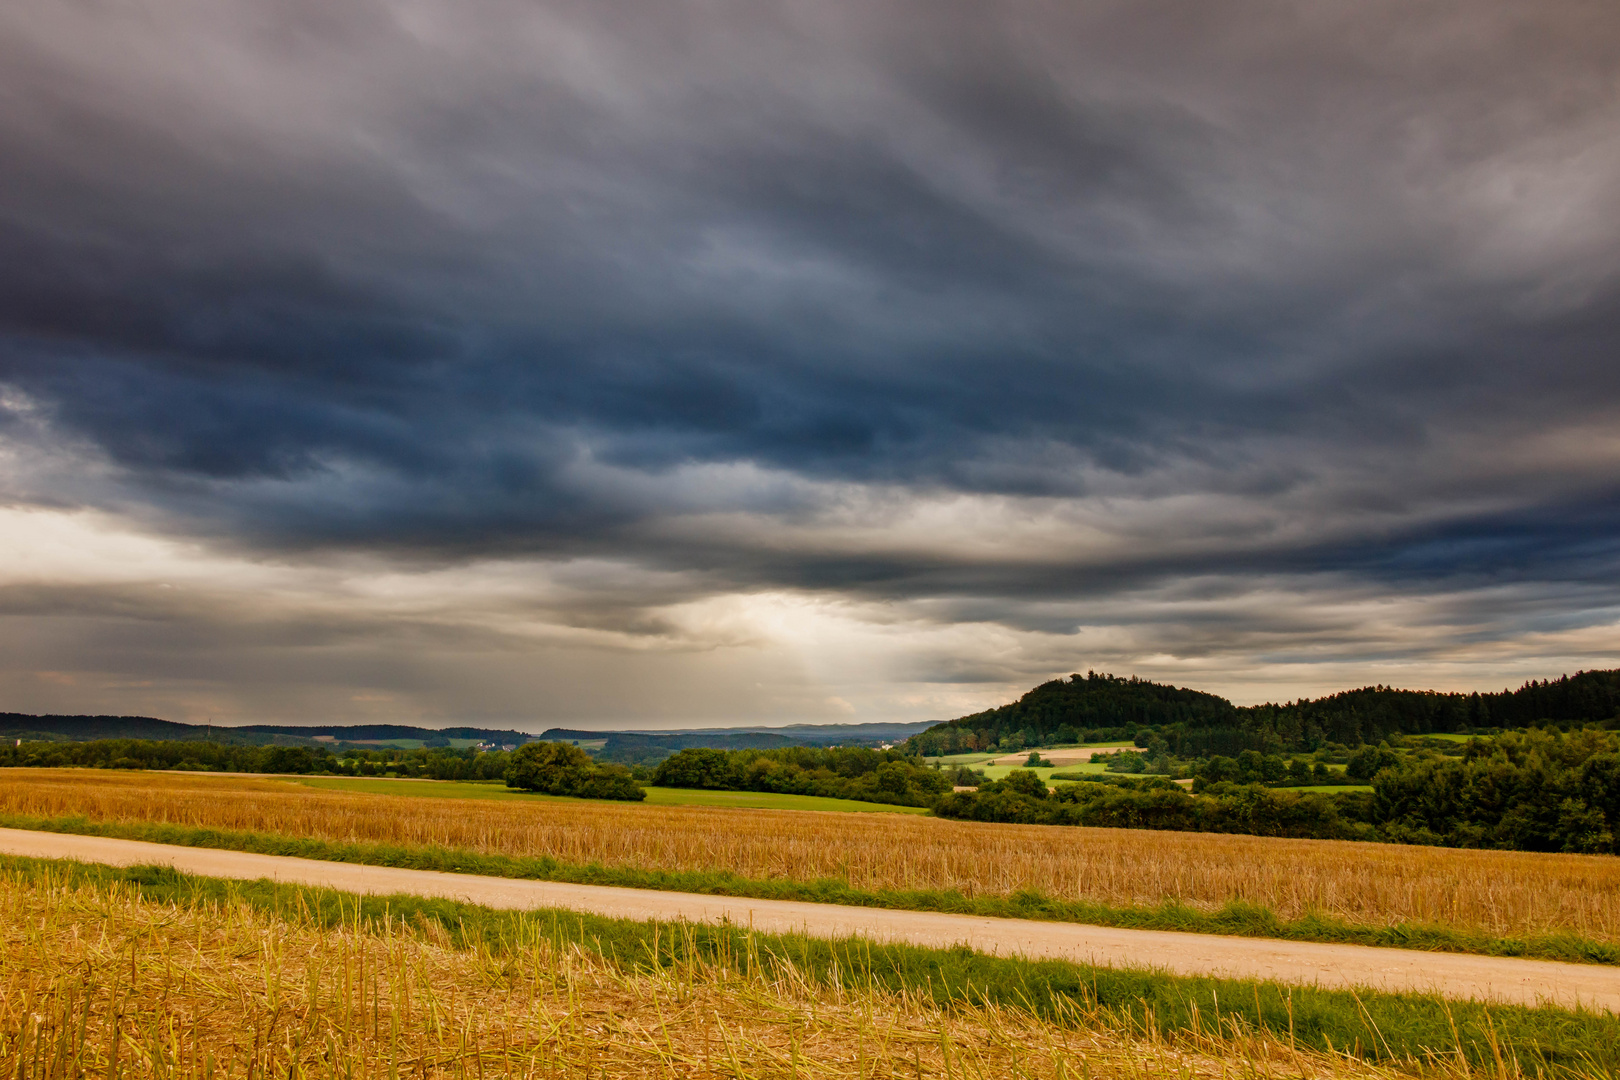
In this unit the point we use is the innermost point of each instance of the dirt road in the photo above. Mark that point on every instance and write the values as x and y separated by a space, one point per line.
1524 982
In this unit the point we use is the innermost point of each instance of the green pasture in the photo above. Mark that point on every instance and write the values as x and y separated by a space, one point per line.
999 772
765 800
656 796
440 789
973 760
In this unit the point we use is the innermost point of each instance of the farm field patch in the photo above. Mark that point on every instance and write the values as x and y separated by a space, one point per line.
1077 752
999 772
1062 756
1511 894
1069 759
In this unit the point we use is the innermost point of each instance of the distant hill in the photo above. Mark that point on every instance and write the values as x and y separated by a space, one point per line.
628 747
1081 708
364 733
651 747
86 728
1094 708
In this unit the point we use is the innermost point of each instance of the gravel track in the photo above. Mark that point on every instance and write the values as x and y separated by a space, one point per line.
1484 978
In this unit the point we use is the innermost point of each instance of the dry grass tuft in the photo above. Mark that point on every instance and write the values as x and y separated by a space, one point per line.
103 983
1500 893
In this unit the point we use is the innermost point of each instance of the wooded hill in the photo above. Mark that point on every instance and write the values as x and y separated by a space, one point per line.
1190 723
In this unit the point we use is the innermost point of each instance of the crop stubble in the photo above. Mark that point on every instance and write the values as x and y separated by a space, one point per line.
1501 893
101 981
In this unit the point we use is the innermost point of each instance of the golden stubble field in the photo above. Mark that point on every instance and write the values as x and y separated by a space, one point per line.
102 983
1503 893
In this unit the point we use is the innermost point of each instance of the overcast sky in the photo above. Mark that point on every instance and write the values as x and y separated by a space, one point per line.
611 363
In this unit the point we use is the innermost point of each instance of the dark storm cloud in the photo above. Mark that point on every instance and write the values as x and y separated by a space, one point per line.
410 277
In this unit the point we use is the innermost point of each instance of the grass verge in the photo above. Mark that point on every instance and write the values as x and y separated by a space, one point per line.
1236 919
1401 1029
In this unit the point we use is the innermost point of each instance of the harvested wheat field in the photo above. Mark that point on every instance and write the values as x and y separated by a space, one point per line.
1502 893
104 983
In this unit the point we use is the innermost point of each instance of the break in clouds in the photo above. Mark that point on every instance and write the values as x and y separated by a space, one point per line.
740 362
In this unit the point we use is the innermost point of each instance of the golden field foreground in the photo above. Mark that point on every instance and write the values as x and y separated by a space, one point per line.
100 982
1501 893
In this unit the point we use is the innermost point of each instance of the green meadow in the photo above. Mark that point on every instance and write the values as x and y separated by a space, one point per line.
656 796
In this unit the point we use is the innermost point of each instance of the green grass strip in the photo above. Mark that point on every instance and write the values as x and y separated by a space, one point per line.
1397 1028
1236 919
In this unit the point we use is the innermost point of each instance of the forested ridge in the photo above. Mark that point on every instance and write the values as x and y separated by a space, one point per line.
1095 708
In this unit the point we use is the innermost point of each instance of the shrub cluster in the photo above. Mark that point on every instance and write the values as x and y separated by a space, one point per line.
1155 804
1541 790
882 776
1253 767
559 768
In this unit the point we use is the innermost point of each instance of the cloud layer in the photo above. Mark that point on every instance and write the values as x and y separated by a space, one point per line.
740 361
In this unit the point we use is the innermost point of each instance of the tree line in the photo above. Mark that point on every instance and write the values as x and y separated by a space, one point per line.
556 768
549 768
881 776
1538 790
196 755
